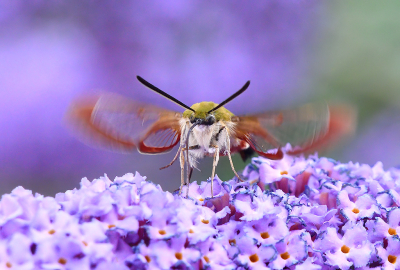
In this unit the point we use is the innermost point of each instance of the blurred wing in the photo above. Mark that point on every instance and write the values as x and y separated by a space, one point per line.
120 124
305 128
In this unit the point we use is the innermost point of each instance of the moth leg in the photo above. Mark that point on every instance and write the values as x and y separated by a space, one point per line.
182 162
189 176
228 150
215 162
173 160
190 173
233 168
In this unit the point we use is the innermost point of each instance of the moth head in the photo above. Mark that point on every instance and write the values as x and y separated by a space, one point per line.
204 114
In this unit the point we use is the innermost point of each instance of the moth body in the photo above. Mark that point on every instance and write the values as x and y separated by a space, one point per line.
206 139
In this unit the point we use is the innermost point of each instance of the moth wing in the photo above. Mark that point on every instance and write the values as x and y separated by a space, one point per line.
306 128
120 124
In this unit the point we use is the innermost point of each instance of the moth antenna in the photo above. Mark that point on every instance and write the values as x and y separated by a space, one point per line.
159 91
245 86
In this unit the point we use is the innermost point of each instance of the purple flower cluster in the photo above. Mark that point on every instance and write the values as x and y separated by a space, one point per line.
296 213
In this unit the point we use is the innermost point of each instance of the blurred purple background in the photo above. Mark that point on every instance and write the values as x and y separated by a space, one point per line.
51 52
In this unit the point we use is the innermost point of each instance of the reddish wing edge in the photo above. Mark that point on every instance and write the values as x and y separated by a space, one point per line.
80 120
251 127
341 123
168 124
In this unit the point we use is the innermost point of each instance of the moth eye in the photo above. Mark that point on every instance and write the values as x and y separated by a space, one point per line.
192 119
210 119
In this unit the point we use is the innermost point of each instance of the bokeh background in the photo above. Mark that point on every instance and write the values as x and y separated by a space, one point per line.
292 51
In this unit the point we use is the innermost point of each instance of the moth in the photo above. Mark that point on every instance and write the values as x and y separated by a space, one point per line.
205 129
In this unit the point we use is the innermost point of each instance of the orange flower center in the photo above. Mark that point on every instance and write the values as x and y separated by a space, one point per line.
62 261
345 249
392 231
162 232
264 235
178 255
205 221
356 211
285 255
392 259
254 258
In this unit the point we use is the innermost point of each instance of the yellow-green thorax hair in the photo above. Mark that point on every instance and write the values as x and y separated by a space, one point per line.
202 108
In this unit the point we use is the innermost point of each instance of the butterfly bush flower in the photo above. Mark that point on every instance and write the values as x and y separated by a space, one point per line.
296 213
389 255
